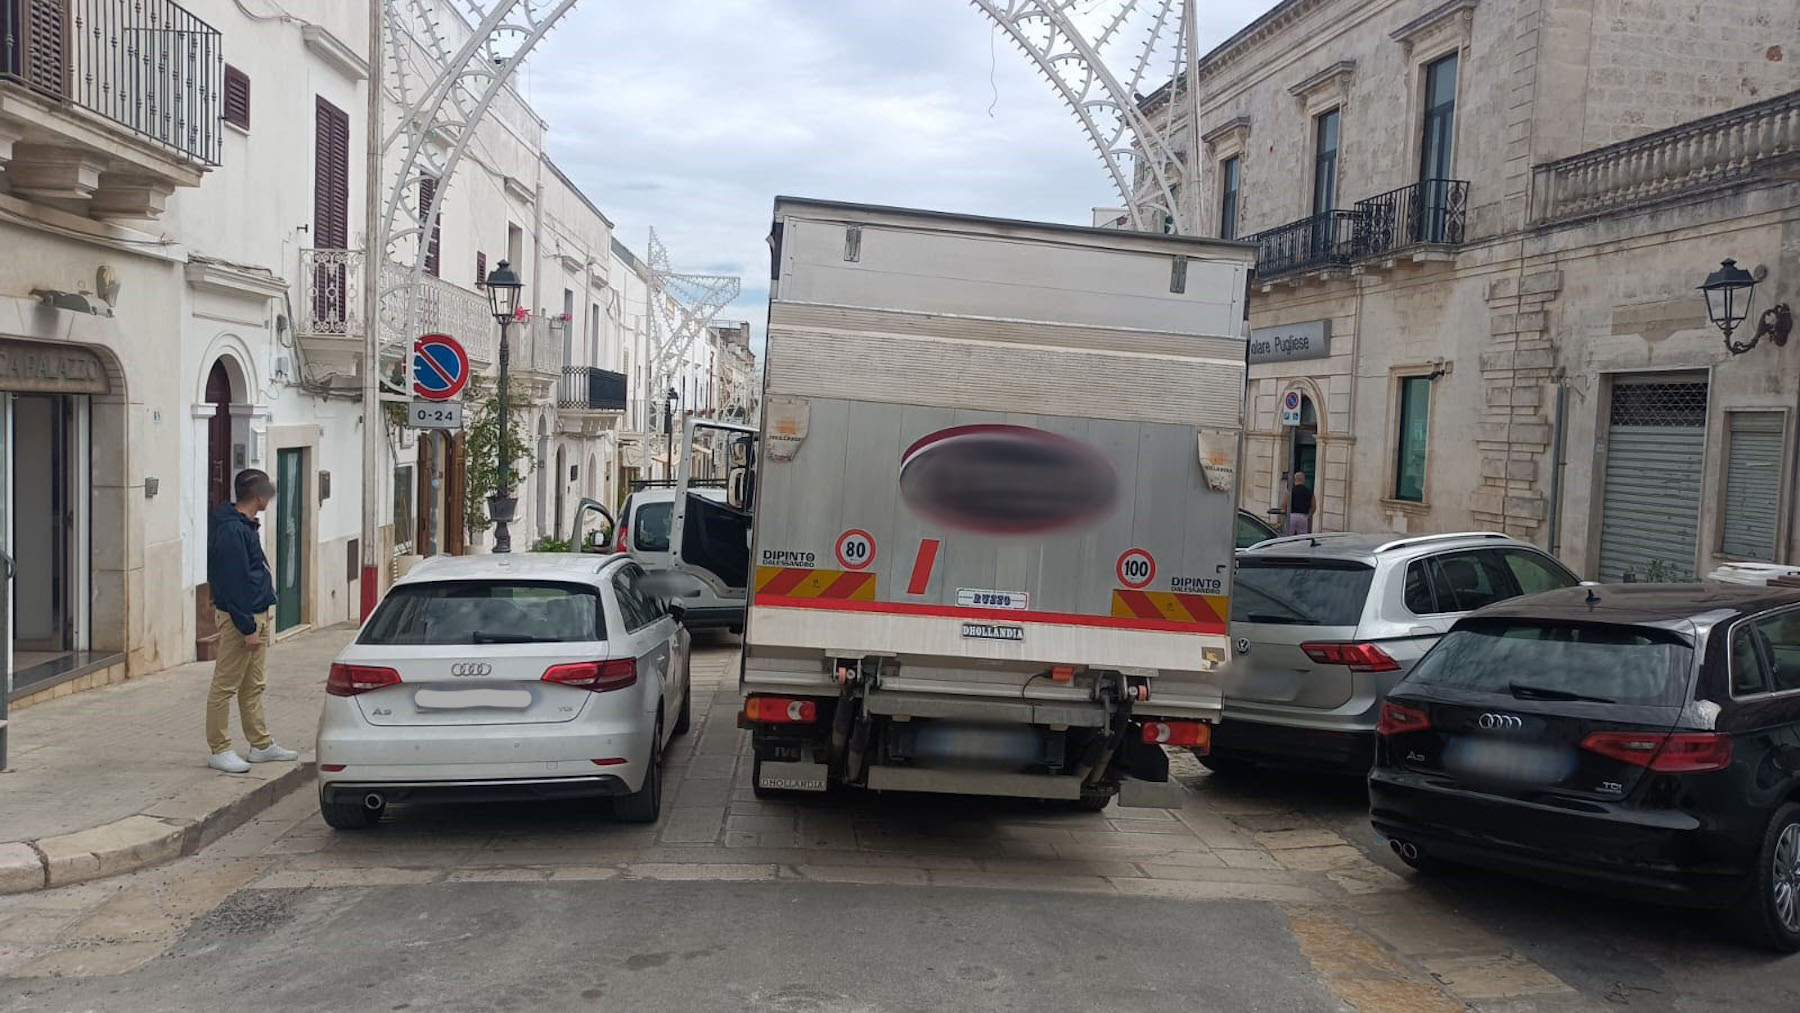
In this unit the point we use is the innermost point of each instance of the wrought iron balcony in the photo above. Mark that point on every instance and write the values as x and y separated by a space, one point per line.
330 309
149 66
1431 212
1756 141
589 388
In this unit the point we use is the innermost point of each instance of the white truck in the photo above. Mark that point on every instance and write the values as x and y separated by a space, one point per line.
992 504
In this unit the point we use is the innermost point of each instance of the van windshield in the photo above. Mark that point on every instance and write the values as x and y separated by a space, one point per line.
1549 660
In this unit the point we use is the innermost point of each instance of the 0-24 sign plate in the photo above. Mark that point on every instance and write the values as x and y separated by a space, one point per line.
435 414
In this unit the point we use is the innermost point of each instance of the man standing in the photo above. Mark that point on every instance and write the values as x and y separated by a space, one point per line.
1300 506
243 596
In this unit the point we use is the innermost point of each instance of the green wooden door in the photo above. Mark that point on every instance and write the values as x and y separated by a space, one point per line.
290 536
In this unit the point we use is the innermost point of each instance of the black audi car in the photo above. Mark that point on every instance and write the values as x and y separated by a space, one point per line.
1640 738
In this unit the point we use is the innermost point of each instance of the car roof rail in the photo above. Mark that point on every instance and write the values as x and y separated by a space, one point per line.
1312 539
1410 540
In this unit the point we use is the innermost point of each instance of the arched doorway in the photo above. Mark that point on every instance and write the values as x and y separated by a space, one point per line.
1303 443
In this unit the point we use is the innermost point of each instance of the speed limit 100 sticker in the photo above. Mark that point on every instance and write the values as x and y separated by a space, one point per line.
855 549
1136 568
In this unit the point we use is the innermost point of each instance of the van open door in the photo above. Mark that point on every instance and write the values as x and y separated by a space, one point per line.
710 539
593 528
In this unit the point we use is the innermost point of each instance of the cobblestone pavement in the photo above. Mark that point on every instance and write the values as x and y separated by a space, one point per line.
1377 939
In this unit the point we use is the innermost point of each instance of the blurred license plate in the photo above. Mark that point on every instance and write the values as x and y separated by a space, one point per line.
1517 762
464 699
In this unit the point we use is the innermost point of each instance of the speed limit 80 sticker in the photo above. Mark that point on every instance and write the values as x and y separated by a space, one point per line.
1136 568
855 549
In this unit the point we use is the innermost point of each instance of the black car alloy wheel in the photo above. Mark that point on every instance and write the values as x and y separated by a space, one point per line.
1769 914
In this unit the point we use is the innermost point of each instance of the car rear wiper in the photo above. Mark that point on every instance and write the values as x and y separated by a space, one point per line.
1267 617
1524 692
481 637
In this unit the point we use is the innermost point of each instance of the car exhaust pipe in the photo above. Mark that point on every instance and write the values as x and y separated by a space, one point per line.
374 802
1394 845
1409 851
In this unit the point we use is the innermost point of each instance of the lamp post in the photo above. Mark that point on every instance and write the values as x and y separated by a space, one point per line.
503 287
1728 293
669 400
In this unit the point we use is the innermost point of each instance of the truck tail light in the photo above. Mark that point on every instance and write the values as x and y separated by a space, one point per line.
1399 719
1356 657
1664 752
1178 733
349 680
598 676
779 710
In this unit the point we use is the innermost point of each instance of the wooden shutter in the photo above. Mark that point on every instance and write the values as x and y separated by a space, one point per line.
38 50
428 198
456 483
237 98
331 177
480 269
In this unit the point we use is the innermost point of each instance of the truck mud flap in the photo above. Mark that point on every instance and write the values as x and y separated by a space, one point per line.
1152 794
959 782
782 776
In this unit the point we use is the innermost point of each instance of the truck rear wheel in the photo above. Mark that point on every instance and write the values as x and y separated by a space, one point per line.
1093 801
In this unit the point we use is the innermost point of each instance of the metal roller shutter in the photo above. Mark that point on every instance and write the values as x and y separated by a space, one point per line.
1655 455
1752 485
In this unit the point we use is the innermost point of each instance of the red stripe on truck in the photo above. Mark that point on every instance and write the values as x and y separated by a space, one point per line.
766 600
922 564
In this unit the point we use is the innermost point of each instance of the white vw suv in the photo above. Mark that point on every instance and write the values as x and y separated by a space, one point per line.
481 678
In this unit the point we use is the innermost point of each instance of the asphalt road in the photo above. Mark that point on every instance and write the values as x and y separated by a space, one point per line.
1615 952
791 948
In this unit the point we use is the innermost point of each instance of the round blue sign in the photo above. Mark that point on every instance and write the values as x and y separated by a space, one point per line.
440 367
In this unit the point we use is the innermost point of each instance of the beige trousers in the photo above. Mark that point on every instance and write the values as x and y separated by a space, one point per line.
243 673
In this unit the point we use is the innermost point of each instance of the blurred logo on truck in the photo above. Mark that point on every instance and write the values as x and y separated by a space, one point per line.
1008 480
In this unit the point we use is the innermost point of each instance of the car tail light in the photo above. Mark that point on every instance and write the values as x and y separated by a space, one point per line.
332 768
349 680
1178 733
619 539
1357 657
779 710
1664 752
1399 719
599 676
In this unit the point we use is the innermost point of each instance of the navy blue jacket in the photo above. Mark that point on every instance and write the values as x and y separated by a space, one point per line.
236 568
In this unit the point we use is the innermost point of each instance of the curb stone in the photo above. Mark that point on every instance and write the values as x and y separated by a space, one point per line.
137 841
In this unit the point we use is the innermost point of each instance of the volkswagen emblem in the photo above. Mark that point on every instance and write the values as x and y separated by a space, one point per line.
471 668
1243 645
1500 722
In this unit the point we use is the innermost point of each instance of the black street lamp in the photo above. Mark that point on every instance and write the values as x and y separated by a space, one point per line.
1728 293
669 400
503 287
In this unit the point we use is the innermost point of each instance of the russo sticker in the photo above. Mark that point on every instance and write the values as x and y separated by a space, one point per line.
980 598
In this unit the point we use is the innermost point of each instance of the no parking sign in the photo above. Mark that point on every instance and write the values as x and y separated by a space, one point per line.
1290 408
440 367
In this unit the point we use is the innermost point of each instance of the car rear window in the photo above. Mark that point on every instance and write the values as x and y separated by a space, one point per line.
1300 592
651 530
486 612
1621 664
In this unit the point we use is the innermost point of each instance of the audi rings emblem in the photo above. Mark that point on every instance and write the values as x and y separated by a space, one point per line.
471 668
1500 722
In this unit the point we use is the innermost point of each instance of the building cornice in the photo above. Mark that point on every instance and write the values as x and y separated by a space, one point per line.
1235 129
1432 20
1333 78
334 53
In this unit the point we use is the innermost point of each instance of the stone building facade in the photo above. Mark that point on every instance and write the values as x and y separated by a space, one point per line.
1481 225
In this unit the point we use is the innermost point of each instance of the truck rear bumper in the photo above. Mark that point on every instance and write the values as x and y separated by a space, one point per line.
1028 700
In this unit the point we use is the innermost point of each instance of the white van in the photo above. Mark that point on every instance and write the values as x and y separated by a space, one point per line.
646 521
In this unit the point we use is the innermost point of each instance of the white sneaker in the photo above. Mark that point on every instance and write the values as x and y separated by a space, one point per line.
229 762
273 754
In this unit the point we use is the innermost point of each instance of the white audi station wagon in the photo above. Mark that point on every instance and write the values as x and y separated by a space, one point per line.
489 678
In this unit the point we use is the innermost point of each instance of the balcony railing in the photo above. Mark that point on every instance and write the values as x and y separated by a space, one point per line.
1429 212
331 305
1704 154
587 388
149 66
538 346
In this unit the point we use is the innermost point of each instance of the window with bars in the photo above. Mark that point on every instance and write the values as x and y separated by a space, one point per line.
1680 405
237 98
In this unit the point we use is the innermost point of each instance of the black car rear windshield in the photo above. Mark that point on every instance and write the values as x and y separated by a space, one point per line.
486 612
1300 592
1547 660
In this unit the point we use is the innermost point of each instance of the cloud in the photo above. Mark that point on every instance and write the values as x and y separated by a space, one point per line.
692 115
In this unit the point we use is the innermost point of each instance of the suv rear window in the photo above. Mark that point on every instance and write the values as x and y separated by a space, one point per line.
1300 592
1620 664
650 529
486 612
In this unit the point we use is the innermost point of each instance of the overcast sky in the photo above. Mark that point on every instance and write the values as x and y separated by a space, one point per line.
691 115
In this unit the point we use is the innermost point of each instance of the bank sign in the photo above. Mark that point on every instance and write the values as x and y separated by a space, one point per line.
1308 340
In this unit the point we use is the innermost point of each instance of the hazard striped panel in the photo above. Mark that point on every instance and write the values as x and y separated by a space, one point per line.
794 582
1206 611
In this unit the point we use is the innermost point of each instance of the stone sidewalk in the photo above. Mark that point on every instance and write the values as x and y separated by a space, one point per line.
115 778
